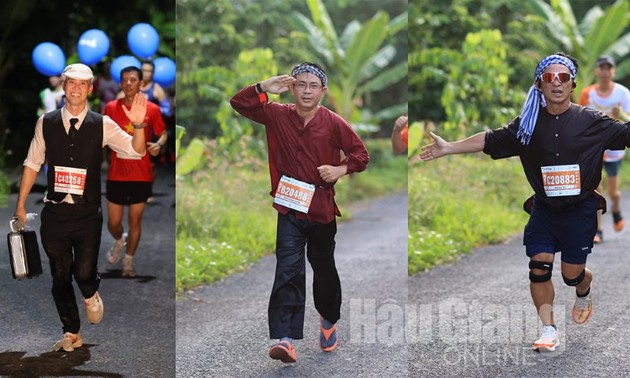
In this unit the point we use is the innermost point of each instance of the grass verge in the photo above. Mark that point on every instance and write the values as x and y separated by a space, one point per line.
225 221
461 202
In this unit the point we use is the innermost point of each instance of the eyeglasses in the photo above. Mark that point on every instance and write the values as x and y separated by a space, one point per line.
562 77
302 86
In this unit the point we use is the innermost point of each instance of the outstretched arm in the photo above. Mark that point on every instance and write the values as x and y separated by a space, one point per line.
440 147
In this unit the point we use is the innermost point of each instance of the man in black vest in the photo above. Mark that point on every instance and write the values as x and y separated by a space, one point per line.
71 140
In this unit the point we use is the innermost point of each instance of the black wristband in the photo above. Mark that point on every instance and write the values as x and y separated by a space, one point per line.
259 88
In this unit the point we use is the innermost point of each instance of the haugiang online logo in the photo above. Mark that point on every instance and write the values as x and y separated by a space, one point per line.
474 330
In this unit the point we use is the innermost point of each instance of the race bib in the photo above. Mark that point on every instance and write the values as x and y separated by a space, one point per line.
70 180
294 194
561 180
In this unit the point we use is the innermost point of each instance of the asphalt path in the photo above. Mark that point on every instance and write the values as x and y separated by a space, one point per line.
222 328
475 318
136 337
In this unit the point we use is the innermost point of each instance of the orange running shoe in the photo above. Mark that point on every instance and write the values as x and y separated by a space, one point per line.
618 221
283 351
327 337
599 237
582 309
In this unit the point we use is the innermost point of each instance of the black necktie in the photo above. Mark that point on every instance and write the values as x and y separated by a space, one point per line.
73 127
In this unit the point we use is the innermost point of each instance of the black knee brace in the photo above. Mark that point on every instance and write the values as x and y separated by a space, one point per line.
574 281
542 266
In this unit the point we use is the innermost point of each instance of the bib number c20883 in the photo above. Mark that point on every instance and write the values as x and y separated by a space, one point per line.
561 180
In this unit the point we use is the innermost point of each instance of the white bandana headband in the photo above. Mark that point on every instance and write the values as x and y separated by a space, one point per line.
535 99
310 68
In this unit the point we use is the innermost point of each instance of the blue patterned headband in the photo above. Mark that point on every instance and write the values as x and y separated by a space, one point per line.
535 99
312 69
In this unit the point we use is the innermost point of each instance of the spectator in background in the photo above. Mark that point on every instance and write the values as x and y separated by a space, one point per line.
50 96
613 99
105 87
154 91
157 95
399 142
129 181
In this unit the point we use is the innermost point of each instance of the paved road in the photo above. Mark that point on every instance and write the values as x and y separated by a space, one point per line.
136 337
478 319
222 328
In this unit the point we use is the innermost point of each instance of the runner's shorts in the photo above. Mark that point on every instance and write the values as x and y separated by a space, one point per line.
612 168
569 230
128 192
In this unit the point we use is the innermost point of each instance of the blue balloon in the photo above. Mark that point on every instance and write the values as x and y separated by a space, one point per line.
49 59
164 71
143 40
93 46
122 62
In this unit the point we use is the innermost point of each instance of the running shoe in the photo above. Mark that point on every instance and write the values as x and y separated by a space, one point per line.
283 351
327 337
582 309
127 270
94 308
599 237
618 221
113 255
69 341
548 340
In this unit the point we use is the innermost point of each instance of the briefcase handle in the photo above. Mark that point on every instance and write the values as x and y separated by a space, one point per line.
17 226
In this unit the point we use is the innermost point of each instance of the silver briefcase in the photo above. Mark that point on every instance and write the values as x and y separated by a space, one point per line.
23 252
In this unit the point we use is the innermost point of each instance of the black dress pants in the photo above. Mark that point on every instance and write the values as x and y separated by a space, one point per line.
71 236
288 296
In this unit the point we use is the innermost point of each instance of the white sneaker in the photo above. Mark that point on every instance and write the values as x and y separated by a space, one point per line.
548 341
127 270
69 341
113 255
94 308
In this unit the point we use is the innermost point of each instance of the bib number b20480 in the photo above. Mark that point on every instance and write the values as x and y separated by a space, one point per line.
294 194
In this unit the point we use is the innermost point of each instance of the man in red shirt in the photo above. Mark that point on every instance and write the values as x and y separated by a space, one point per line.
304 142
129 182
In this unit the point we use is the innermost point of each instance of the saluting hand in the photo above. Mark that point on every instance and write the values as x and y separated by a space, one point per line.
277 84
138 109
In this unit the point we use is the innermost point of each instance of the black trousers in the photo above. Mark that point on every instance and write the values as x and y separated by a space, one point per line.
71 236
288 296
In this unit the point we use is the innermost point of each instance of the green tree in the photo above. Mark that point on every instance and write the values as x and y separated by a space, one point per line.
477 93
599 32
359 61
435 43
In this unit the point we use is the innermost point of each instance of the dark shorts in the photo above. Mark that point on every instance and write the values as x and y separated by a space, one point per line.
612 168
569 231
128 192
